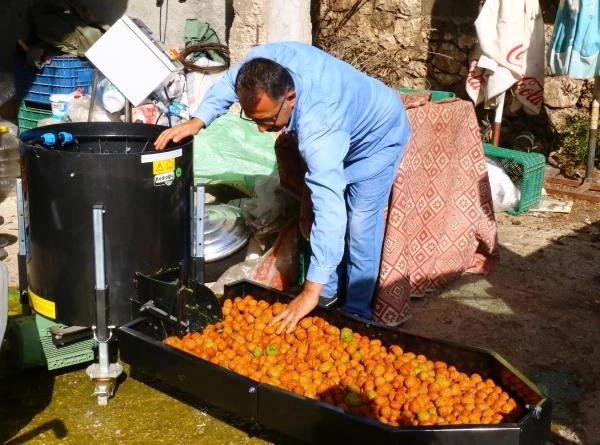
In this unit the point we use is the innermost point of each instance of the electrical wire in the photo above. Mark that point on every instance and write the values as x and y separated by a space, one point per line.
219 48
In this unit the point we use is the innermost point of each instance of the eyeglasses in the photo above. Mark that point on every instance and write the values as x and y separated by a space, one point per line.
265 121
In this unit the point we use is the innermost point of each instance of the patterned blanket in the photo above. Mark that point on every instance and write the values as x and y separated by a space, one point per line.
440 220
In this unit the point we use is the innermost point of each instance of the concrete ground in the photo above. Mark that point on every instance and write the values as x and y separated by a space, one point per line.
540 310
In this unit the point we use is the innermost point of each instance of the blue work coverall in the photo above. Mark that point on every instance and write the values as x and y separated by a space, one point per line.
351 131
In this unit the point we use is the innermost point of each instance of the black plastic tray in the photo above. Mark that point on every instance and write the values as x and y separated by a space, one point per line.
140 345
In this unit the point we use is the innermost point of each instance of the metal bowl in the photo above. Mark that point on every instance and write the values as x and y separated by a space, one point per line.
224 232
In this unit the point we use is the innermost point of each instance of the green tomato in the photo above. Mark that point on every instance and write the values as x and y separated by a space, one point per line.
423 415
371 394
257 351
443 382
353 387
346 335
352 399
272 350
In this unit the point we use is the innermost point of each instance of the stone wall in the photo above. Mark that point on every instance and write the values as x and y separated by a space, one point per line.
260 21
426 44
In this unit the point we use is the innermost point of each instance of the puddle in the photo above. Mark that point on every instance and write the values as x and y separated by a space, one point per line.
562 385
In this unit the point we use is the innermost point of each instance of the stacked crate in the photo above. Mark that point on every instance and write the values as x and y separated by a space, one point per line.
62 75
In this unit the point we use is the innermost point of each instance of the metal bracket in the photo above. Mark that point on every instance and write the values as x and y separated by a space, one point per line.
108 338
63 336
150 308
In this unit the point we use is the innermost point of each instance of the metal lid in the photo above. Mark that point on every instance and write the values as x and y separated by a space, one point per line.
224 231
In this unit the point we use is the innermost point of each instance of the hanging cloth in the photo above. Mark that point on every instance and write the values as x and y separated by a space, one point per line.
575 46
510 54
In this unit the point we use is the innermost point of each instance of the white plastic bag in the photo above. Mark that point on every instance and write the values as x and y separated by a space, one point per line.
79 109
505 194
7 87
199 83
112 99
267 211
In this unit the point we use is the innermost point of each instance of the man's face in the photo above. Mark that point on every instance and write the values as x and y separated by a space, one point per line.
269 114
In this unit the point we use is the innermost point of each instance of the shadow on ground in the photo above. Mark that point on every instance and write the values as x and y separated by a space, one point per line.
24 395
542 313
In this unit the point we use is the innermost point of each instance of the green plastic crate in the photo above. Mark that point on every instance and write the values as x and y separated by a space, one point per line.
526 170
29 116
435 94
81 351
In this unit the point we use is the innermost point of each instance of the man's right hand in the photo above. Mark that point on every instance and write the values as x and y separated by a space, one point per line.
298 308
178 132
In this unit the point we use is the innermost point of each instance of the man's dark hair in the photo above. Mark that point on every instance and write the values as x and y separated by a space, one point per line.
261 75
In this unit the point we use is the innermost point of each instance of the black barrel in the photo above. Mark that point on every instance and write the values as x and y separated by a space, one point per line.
145 195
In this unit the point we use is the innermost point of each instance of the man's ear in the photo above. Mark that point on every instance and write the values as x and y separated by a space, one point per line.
291 97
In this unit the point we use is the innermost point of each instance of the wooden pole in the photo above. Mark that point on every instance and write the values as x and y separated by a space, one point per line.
496 126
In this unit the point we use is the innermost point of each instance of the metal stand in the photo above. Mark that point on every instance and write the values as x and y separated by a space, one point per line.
22 255
103 373
95 78
197 197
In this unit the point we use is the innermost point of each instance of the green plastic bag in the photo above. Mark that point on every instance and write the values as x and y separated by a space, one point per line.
232 151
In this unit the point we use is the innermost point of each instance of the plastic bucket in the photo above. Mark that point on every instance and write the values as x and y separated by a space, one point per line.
59 105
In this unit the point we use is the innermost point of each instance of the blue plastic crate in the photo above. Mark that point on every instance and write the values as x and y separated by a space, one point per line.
73 62
63 75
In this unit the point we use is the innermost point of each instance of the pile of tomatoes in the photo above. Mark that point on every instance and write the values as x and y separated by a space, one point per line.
346 369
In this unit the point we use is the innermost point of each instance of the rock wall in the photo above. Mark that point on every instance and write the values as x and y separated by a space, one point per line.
426 44
407 43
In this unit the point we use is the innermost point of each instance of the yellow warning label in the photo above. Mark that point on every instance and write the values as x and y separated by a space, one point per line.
42 306
163 166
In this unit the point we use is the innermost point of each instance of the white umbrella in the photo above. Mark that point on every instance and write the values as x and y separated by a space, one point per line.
575 51
510 56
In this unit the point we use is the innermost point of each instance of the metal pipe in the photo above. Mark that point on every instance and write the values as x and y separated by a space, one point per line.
100 275
103 373
127 111
103 358
593 134
95 78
